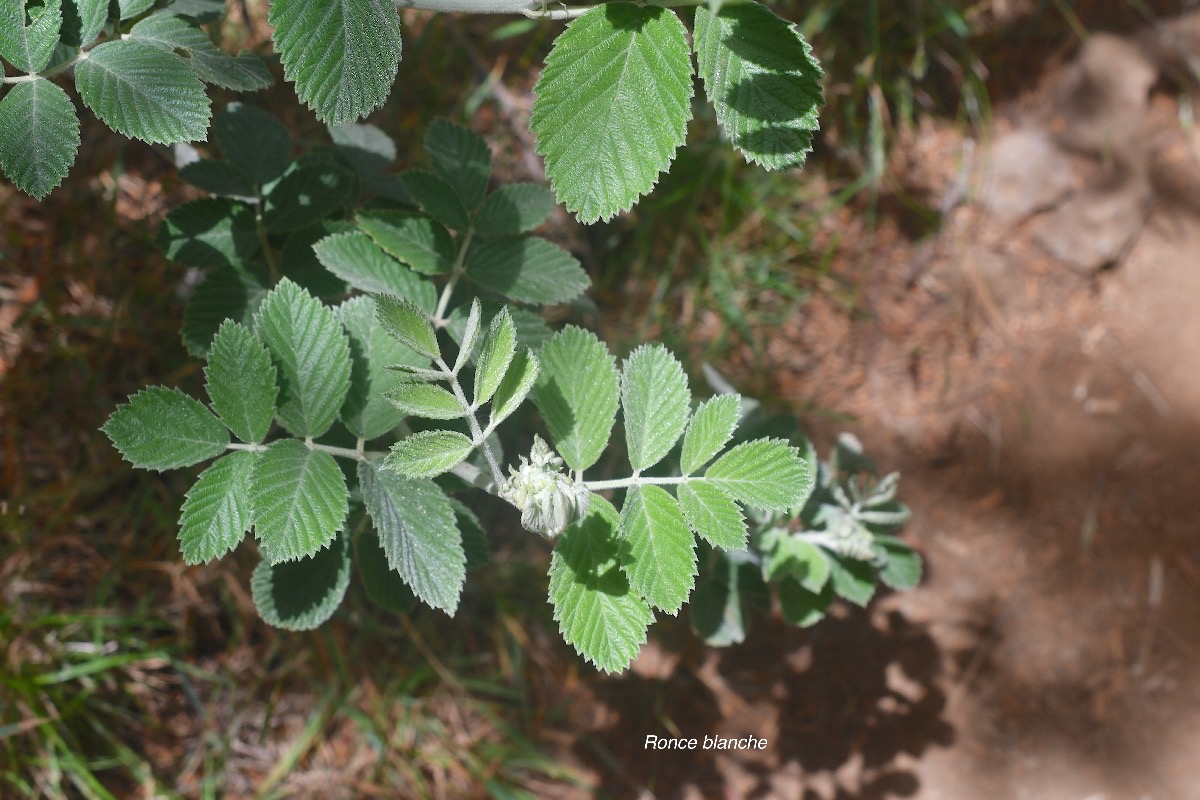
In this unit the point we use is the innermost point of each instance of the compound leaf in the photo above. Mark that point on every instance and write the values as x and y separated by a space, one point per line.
710 428
514 208
29 47
299 500
597 613
437 197
255 141
357 260
368 149
415 239
312 354
302 595
240 380
513 390
658 550
800 560
307 193
341 54
405 320
39 136
383 584
469 337
802 607
82 21
366 412
713 515
655 397
495 354
225 293
765 473
217 177
718 607
161 429
461 157
418 534
527 269
142 92
216 512
425 400
577 394
903 568
428 453
612 106
761 76
184 38
212 232
852 579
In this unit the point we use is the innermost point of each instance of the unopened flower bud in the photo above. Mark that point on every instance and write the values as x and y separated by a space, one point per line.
548 499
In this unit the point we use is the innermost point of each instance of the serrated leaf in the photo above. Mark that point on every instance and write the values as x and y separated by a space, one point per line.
713 515
342 55
612 106
495 354
39 136
368 149
658 551
298 261
709 429
424 400
201 10
212 232
299 500
417 240
513 390
655 398
240 380
217 177
225 293
470 336
383 584
307 193
28 47
852 579
183 37
475 543
428 453
311 352
366 413
161 429
597 613
800 560
903 568
802 607
255 141
82 21
437 197
131 8
765 473
461 157
143 93
216 512
718 613
418 533
357 260
577 395
760 75
527 269
514 208
302 595
405 320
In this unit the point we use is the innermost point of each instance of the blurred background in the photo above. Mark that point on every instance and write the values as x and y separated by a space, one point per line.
987 272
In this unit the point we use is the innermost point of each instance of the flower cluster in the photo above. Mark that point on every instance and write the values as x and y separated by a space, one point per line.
548 499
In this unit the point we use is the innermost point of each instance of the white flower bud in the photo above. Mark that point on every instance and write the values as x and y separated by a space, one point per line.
548 499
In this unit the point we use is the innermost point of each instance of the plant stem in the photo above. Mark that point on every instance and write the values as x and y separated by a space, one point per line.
50 73
637 480
439 320
264 242
477 434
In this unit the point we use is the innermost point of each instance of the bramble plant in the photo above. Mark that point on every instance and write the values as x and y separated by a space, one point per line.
412 381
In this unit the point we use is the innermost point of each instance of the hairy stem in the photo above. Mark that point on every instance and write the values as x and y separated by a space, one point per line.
439 315
477 433
637 480
260 228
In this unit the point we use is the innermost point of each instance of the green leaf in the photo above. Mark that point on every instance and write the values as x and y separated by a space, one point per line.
418 534
217 177
415 239
133 8
202 10
240 380
577 395
255 141
82 21
527 269
852 579
424 400
429 453
596 611
470 336
161 429
216 512
302 595
307 193
143 93
800 560
765 473
28 47
761 76
298 260
658 550
366 412
718 613
357 260
212 232
612 106
225 293
437 197
299 500
655 397
403 319
475 543
368 149
495 354
710 428
39 136
183 37
712 514
383 584
342 54
460 157
513 390
514 208
903 568
802 607
312 354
